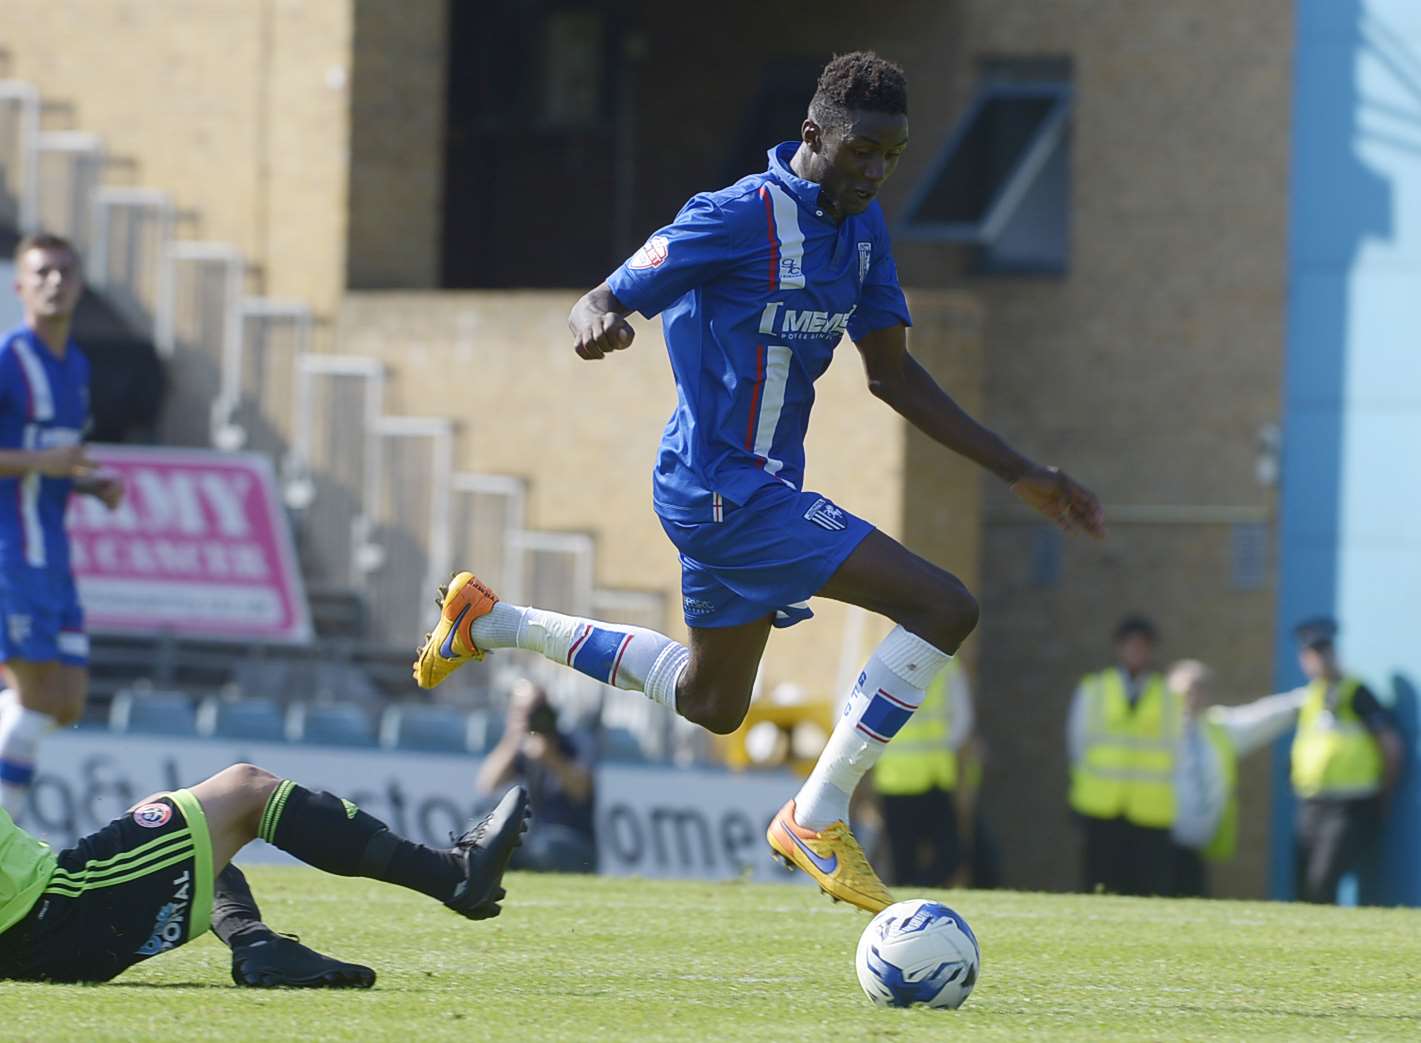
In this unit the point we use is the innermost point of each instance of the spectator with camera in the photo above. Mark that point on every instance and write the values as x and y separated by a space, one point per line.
556 766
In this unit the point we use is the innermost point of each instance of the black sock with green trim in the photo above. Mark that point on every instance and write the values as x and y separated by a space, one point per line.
332 834
235 916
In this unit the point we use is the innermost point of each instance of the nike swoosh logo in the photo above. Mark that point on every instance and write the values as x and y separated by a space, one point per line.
824 865
447 648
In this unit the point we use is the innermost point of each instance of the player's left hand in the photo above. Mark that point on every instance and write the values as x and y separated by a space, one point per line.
1066 502
109 491
106 487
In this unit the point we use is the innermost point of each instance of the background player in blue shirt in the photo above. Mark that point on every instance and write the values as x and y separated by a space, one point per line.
756 285
44 413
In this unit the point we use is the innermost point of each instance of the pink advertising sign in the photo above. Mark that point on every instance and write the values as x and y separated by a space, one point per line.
200 547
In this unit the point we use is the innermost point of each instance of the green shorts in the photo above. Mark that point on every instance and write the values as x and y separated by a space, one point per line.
138 887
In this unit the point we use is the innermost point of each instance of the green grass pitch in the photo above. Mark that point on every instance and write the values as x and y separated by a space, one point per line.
602 959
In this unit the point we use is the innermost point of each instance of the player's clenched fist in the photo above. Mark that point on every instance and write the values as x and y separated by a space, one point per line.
597 325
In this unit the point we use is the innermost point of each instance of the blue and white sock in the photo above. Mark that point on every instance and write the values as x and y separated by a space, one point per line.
20 732
631 658
890 688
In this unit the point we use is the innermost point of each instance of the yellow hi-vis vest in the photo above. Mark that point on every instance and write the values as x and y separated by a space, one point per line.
1127 767
1224 843
1334 755
919 757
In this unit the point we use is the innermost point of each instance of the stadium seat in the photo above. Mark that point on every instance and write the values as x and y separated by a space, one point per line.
430 728
288 679
621 746
262 678
257 719
485 729
152 712
329 724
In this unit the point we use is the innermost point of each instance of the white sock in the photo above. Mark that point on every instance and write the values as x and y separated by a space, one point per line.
20 732
890 688
631 658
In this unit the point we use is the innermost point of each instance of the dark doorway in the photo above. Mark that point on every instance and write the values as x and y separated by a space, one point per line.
531 148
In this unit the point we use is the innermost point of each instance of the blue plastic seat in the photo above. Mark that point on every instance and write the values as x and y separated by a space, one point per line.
621 746
153 713
255 719
484 731
432 728
329 724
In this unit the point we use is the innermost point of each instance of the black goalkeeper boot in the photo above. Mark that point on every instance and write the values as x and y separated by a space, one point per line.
486 849
281 960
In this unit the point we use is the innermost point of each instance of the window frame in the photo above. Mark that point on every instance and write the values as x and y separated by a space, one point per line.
1014 186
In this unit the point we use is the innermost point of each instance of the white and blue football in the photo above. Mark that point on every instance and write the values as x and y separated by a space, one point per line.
918 952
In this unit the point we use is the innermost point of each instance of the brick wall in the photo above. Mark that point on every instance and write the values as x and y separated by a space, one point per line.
239 108
397 107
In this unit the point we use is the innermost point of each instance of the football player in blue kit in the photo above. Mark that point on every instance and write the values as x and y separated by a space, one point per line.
44 414
756 285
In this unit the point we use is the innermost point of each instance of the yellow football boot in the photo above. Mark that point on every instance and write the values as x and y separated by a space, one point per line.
832 857
451 644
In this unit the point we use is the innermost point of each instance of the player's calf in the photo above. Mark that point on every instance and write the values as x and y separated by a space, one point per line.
334 835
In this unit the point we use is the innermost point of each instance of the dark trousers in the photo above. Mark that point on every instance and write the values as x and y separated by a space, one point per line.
1125 859
922 836
1191 873
555 848
1331 839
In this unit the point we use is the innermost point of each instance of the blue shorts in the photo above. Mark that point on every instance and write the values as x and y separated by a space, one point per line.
40 616
768 557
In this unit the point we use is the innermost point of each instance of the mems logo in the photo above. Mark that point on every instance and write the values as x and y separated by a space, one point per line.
789 323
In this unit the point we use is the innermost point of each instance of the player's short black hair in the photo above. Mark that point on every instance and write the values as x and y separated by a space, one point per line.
44 241
1136 625
858 81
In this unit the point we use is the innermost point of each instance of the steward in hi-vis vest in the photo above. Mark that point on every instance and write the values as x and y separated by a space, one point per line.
1126 769
1334 755
1346 756
1122 737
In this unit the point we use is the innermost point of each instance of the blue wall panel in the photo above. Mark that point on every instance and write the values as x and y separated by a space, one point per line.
1350 527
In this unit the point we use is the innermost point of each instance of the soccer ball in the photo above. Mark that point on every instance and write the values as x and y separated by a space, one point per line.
918 952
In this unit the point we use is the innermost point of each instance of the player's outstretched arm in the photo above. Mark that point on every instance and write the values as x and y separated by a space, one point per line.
68 461
896 378
598 323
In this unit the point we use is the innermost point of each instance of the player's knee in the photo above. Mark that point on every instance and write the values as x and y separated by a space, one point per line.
961 612
253 783
67 712
950 617
714 709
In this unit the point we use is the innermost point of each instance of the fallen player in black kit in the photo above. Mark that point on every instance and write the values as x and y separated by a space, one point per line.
159 876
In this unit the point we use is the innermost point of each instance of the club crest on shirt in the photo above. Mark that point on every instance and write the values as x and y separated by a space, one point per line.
826 515
653 254
865 259
151 816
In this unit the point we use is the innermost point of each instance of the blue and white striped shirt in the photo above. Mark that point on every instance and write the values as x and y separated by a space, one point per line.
756 285
44 404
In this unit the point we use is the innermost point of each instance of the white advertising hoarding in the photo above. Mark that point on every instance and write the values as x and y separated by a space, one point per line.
651 821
